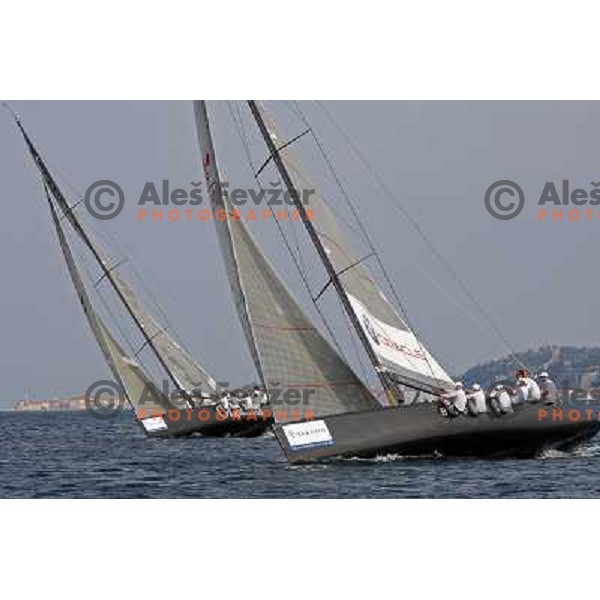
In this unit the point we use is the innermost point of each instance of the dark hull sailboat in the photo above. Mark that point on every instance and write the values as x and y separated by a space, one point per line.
421 430
346 418
208 421
157 415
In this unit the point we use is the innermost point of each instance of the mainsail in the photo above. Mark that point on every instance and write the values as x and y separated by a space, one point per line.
145 399
397 348
300 368
189 374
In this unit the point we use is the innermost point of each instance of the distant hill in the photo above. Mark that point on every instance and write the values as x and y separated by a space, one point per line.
569 366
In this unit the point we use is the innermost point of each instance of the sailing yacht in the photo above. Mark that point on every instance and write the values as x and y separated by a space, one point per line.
194 408
341 416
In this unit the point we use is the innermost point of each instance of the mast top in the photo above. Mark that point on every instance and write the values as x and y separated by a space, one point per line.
15 115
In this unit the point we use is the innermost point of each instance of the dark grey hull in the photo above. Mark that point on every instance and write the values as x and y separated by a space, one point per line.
421 430
209 422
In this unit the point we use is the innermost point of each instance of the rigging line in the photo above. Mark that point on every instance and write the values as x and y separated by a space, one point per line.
108 310
355 348
455 302
279 149
306 284
122 249
339 216
118 246
285 240
153 337
110 270
367 237
298 250
125 254
348 268
404 212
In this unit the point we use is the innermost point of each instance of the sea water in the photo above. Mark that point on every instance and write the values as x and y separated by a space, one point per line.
74 455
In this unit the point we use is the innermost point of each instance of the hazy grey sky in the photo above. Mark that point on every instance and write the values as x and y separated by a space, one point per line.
538 280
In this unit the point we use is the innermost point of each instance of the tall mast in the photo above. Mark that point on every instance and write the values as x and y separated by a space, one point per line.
55 190
217 197
389 387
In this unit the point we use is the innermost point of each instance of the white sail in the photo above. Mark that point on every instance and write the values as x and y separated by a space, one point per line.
395 345
188 373
144 397
300 368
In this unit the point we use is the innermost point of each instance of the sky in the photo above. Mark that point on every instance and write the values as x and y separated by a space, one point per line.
536 279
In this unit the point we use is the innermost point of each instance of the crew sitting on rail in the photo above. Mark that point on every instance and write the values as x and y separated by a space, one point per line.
476 400
259 397
520 394
224 402
455 401
246 402
534 394
500 400
548 389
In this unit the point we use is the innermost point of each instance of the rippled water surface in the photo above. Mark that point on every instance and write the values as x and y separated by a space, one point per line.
72 455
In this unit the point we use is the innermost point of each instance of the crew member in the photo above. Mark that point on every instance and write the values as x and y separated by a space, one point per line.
246 402
224 401
534 394
259 396
500 400
476 400
455 401
521 394
549 393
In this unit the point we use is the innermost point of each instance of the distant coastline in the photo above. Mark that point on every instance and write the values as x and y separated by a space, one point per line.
54 404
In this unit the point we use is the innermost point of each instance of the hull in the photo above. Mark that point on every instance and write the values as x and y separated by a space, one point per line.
208 422
421 430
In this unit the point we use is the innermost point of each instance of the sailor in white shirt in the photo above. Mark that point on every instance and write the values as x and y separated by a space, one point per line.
501 399
224 401
521 394
259 397
246 402
456 399
476 400
533 388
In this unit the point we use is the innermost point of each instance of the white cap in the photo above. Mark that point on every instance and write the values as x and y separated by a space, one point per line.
543 374
499 387
476 387
458 385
